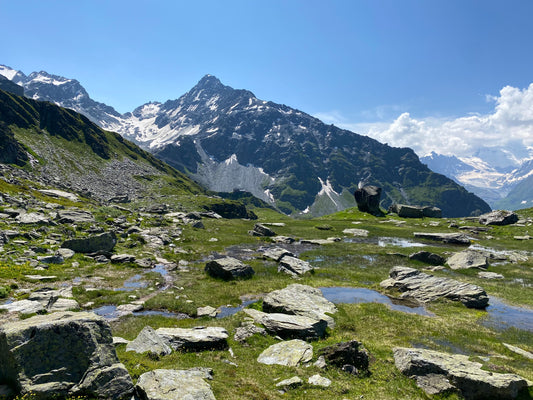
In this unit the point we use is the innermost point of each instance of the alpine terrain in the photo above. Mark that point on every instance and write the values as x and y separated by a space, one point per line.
229 140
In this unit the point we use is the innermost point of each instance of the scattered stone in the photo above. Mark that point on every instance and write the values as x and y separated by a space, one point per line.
290 353
456 371
40 278
423 287
149 341
428 258
301 300
526 237
317 380
195 339
276 253
468 259
229 268
262 231
406 211
294 266
347 356
169 384
283 239
63 305
74 217
450 238
289 384
498 217
32 218
367 199
23 307
55 259
489 275
356 232
290 326
244 332
318 242
122 258
65 253
59 193
92 244
119 340
320 362
518 350
87 363
206 311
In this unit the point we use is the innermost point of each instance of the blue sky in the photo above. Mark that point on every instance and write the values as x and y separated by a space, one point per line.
359 64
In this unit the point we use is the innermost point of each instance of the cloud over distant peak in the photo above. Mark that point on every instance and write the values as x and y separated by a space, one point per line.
509 125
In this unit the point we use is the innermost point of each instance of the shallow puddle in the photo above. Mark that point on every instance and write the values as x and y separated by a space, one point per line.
228 311
350 295
111 312
385 241
502 316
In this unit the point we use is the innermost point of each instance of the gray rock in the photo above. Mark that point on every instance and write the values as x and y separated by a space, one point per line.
468 259
262 231
283 239
65 253
289 384
347 354
518 350
367 199
356 232
122 258
168 384
317 380
149 341
195 339
432 212
206 311
63 354
276 253
498 217
55 259
290 326
290 353
23 307
59 193
63 305
294 266
92 244
465 375
450 238
244 332
423 287
301 300
489 275
407 211
120 340
428 258
228 268
32 218
72 216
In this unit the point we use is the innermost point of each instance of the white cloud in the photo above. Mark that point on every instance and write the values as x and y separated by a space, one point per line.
509 125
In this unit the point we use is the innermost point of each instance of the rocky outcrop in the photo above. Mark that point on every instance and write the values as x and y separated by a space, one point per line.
367 199
63 354
450 238
103 242
228 268
169 384
468 259
498 217
422 287
438 372
301 300
195 339
291 353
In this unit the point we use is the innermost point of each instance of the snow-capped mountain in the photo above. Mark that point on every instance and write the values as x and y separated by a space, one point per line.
228 139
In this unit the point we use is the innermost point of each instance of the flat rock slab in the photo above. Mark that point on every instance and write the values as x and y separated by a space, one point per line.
195 339
498 217
301 300
276 253
59 193
149 341
294 266
290 326
169 384
74 217
518 350
290 353
262 231
427 257
103 242
468 259
23 307
459 373
356 232
424 288
450 238
63 354
32 218
228 268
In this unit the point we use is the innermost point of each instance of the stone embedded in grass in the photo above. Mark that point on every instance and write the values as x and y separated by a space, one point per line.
449 238
262 231
276 253
168 384
74 216
23 307
290 353
356 232
317 380
348 356
294 266
498 217
423 287
228 268
428 258
195 339
468 259
459 372
289 384
290 326
149 341
92 244
32 219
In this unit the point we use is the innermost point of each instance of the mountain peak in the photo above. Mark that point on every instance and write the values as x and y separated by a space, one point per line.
209 81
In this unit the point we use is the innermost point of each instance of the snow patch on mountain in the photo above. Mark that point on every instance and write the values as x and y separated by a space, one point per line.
7 72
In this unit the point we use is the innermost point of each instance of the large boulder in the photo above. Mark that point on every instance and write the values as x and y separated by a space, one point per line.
169 384
438 372
498 217
407 211
262 231
195 339
62 354
468 259
422 287
294 266
92 244
301 300
228 268
367 199
149 341
290 353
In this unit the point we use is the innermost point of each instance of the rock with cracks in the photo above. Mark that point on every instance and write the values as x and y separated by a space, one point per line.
169 384
149 341
228 268
422 287
195 339
438 372
104 242
294 266
63 354
468 259
498 217
290 353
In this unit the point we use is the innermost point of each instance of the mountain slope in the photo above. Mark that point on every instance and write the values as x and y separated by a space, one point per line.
64 148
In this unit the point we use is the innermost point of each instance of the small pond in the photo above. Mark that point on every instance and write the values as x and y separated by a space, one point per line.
111 312
351 295
502 316
228 311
